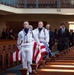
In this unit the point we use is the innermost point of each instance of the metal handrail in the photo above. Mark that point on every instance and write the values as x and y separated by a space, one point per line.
39 3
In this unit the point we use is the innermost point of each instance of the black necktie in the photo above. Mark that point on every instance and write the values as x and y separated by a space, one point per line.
39 29
26 30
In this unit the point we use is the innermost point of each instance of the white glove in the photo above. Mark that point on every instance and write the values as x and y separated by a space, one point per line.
19 47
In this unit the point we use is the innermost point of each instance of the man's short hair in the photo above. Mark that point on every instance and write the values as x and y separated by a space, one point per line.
48 25
25 22
40 22
63 23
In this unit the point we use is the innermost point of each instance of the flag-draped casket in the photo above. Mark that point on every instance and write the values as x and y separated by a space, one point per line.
38 53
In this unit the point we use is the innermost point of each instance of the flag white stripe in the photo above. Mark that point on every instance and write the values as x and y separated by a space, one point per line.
36 50
19 55
43 50
38 57
14 56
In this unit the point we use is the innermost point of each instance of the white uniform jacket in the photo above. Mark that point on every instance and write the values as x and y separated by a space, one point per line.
43 35
25 40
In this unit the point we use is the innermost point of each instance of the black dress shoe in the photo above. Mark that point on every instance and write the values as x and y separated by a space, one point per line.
32 72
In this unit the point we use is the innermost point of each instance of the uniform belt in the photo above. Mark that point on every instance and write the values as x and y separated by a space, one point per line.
42 38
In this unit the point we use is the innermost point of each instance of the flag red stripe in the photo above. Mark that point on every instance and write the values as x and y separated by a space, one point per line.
17 55
42 46
36 54
34 47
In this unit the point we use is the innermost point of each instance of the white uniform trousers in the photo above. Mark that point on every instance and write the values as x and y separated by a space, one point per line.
27 52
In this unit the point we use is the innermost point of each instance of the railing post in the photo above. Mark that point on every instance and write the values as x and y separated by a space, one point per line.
59 5
9 2
17 3
3 2
37 3
69 3
72 2
25 3
0 1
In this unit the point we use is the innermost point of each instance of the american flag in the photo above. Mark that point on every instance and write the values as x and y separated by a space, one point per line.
38 53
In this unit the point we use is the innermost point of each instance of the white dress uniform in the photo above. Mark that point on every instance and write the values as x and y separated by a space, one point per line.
25 44
43 35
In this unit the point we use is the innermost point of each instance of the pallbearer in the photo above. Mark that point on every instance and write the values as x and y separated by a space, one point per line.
42 34
25 44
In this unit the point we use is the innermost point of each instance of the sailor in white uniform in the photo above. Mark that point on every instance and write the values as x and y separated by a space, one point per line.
42 34
25 44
